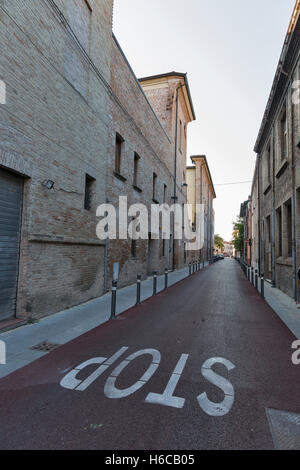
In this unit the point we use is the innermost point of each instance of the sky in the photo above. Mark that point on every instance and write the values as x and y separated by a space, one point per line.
230 50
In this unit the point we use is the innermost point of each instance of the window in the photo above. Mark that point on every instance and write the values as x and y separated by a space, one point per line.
154 185
283 135
180 136
165 193
118 157
289 228
269 164
88 195
269 233
136 169
297 221
133 248
279 231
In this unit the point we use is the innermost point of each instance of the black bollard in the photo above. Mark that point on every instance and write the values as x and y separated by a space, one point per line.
190 269
166 278
113 300
256 279
154 283
262 286
252 275
138 289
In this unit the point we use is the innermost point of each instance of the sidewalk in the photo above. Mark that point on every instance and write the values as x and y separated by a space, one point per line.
65 326
285 307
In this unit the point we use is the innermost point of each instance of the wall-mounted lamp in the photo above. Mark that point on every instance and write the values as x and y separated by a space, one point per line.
298 145
184 185
48 184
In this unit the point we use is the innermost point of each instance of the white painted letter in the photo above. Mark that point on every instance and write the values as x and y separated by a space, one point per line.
217 409
110 389
167 398
71 382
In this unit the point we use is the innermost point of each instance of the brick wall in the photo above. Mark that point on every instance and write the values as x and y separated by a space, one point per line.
69 91
277 191
49 130
134 119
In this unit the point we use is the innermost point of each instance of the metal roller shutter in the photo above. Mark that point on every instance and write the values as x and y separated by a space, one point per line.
11 190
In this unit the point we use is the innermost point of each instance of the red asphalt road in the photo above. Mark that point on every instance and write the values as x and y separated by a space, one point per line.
215 313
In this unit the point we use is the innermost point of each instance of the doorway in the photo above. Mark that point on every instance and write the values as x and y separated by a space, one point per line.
11 192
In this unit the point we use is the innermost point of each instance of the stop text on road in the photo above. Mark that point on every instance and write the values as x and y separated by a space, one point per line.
167 397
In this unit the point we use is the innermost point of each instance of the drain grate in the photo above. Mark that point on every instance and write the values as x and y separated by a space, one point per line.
285 429
45 347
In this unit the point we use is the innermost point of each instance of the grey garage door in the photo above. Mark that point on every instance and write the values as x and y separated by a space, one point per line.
11 189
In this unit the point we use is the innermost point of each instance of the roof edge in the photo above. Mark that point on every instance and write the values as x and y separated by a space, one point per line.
139 85
285 49
203 157
173 74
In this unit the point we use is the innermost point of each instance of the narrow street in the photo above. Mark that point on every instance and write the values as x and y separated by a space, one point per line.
216 313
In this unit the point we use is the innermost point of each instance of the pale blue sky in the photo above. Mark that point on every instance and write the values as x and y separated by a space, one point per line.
230 50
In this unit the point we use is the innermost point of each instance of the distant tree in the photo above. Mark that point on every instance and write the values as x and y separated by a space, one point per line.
219 242
238 234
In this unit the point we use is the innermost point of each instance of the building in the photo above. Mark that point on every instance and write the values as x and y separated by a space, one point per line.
228 249
246 215
201 191
54 145
275 199
145 114
78 130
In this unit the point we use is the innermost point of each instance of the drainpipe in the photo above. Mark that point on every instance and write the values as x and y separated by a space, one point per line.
201 202
175 170
273 212
251 230
207 232
294 250
105 281
259 214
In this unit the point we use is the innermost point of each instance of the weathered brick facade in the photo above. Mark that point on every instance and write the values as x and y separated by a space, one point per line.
70 91
144 135
275 201
201 191
49 130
